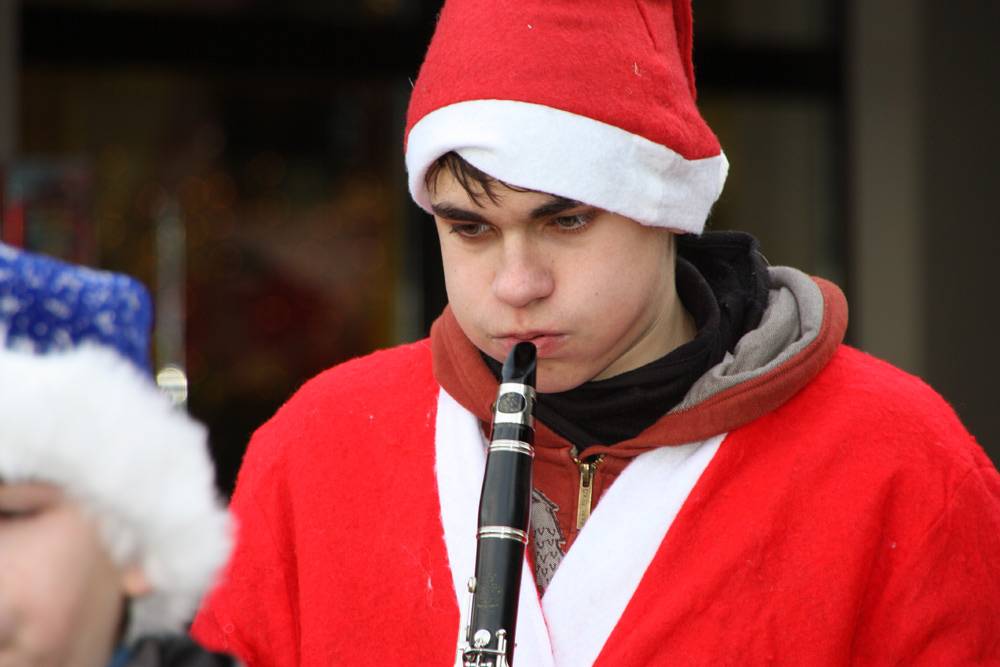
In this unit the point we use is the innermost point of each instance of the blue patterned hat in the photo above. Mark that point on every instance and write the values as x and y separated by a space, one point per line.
49 305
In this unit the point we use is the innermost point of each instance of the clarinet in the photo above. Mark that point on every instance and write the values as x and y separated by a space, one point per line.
486 631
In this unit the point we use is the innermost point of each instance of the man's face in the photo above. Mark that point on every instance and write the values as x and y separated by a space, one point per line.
61 597
593 290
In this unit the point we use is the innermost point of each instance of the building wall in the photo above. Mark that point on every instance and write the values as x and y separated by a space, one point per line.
923 183
960 184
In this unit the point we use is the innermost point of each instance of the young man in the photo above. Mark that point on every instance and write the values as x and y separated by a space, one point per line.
717 479
110 529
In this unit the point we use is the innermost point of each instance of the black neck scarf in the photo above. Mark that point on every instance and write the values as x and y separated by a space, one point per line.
722 282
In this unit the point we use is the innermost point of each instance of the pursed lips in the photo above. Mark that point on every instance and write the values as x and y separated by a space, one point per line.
545 341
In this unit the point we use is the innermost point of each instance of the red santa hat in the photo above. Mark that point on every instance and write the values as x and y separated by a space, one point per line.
593 100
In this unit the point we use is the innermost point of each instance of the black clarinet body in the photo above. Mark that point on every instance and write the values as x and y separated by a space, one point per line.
486 634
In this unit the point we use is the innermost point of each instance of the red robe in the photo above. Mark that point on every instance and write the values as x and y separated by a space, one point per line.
856 522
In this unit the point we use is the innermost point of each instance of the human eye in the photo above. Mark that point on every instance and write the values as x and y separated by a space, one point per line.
14 507
575 222
20 502
17 513
470 230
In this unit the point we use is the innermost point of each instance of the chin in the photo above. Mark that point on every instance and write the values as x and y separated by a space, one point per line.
551 381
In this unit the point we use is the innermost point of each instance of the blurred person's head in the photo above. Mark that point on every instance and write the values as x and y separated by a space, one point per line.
110 526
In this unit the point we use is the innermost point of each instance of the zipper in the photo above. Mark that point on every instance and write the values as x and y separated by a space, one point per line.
585 499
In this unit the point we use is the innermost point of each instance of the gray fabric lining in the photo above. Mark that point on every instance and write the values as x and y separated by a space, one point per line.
791 322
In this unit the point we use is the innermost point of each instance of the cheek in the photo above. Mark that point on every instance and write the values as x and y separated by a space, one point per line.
85 608
615 282
59 599
623 291
468 284
37 598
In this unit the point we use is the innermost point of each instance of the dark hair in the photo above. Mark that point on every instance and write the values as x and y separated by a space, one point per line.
474 181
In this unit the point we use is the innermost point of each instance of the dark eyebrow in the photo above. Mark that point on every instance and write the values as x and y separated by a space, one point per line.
451 212
554 207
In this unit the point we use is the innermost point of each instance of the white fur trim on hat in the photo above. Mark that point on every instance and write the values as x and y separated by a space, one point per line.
549 150
91 423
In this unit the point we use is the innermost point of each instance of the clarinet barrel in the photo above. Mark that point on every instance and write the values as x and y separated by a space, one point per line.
487 636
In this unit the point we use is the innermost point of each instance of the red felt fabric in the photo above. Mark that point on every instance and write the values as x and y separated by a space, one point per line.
858 524
619 62
331 502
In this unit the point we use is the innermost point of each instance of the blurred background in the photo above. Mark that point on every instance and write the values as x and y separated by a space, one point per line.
244 159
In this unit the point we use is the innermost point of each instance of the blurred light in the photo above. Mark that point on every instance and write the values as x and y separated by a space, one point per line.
267 169
196 366
265 377
364 192
219 223
173 383
388 8
226 260
324 326
274 207
114 201
221 190
190 301
192 194
197 231
272 314
112 232
210 141
322 222
313 259
368 254
151 200
145 257
112 162
170 237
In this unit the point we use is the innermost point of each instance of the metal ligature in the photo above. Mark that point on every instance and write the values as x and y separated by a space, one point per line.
489 620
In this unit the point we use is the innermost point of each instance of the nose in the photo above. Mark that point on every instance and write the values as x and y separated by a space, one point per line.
523 276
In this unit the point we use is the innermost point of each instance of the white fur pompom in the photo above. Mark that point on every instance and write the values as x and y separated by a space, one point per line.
88 421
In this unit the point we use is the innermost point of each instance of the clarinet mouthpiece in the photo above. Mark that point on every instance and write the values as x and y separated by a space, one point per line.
520 364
